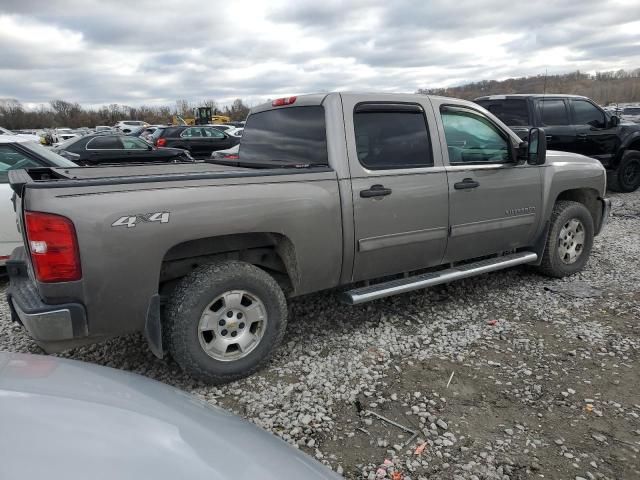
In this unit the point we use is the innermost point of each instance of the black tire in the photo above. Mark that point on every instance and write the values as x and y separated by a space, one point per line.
186 306
563 212
626 177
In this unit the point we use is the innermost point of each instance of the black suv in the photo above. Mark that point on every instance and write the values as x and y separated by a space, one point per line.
199 140
575 124
102 148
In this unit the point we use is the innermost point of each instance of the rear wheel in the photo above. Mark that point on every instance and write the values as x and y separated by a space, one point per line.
625 178
569 240
225 320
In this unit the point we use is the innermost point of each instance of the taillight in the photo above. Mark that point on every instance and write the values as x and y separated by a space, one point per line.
232 156
278 102
161 142
54 247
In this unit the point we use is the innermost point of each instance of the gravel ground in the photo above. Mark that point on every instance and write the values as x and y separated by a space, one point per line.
506 376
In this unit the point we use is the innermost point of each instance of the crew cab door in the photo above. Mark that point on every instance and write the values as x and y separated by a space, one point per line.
553 116
494 204
595 137
400 200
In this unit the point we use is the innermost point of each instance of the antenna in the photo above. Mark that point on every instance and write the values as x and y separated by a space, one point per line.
544 93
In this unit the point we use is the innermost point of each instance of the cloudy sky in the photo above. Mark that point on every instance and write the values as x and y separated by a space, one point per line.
157 51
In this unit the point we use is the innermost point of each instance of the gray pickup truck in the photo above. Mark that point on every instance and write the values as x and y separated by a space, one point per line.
376 194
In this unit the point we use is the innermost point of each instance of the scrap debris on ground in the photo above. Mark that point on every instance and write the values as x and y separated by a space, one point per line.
507 376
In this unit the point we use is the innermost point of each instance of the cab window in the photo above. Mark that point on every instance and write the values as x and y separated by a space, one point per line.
553 112
472 138
585 113
392 136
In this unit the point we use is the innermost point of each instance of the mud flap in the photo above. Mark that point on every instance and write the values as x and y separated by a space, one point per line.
153 327
541 243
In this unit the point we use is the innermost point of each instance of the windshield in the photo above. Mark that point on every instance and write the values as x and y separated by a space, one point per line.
285 136
55 159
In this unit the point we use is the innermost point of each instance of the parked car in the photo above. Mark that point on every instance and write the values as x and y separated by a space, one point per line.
127 125
232 153
199 140
630 114
146 132
83 421
575 124
224 127
103 128
117 148
26 136
398 191
236 132
17 151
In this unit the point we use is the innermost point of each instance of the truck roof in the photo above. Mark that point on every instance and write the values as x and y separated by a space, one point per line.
318 99
528 95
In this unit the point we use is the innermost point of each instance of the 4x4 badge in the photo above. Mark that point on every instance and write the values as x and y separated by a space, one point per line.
131 221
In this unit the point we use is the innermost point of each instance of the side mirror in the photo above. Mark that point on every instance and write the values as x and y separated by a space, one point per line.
537 146
614 121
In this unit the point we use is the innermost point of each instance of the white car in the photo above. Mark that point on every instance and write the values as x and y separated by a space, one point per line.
630 114
236 132
4 131
63 134
17 152
127 126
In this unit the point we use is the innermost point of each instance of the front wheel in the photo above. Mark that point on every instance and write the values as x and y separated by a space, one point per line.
225 320
569 240
625 178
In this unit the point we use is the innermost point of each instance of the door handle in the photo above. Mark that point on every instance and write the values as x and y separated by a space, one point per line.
375 191
466 183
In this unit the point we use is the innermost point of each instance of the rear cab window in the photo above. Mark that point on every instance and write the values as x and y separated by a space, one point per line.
392 136
290 136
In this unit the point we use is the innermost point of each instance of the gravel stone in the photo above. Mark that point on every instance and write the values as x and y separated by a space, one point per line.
546 339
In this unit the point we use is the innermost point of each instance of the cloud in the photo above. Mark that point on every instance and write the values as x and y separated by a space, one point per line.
157 51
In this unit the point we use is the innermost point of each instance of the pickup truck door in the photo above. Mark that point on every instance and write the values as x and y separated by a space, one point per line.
399 185
494 204
595 137
553 115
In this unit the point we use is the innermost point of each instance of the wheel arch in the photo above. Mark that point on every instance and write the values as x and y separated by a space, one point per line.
589 197
270 251
631 143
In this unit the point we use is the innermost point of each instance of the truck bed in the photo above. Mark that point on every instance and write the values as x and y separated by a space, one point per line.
128 174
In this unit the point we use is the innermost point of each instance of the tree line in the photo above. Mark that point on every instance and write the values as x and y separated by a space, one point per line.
604 87
61 113
621 86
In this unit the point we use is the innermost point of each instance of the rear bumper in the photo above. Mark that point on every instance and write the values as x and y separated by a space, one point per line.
45 323
606 211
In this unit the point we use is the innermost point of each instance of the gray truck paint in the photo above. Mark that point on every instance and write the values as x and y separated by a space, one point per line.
63 419
324 233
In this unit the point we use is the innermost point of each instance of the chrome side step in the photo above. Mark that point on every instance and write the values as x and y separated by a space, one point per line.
402 285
